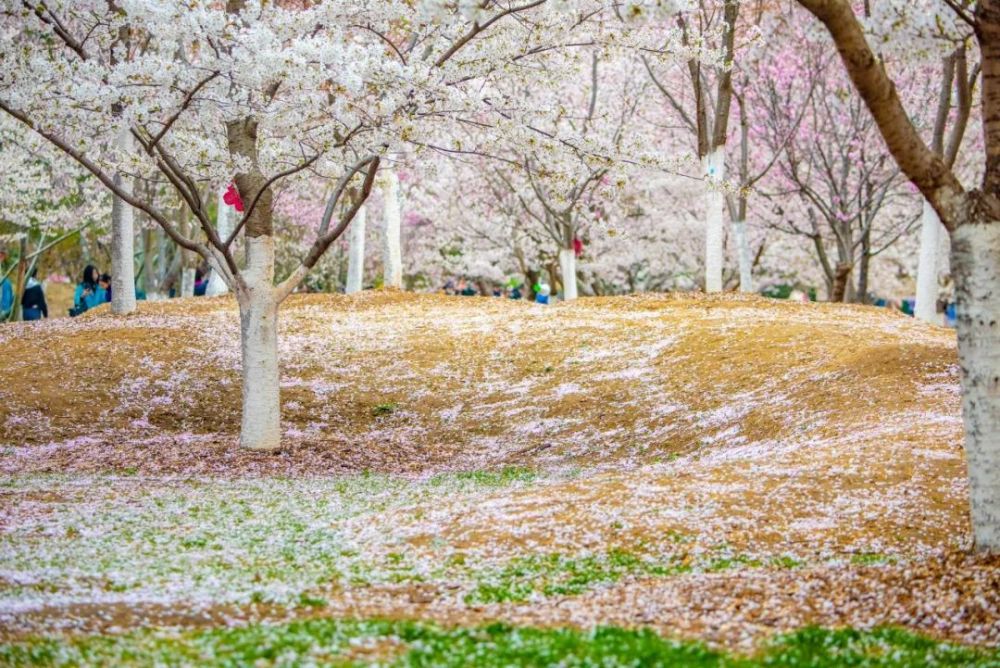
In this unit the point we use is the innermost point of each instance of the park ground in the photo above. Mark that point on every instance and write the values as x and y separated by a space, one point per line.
673 480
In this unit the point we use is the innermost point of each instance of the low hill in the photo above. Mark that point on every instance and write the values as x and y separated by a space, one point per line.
721 468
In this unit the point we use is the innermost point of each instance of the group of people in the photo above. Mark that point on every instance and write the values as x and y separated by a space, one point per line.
93 290
467 288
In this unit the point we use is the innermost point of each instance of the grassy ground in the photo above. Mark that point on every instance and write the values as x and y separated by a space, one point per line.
733 475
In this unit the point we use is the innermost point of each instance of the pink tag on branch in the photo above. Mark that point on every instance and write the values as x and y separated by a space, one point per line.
577 247
232 198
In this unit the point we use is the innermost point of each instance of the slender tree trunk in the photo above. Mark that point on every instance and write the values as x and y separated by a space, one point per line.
148 271
927 270
531 280
392 257
122 244
186 258
16 312
165 262
567 269
550 269
187 282
975 258
864 268
224 226
744 255
715 170
261 425
841 282
356 254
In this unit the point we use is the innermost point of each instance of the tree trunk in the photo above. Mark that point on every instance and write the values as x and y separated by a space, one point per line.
187 282
356 255
224 227
550 269
16 313
841 282
715 170
148 272
392 257
927 270
975 259
567 269
864 268
122 244
261 425
531 280
745 259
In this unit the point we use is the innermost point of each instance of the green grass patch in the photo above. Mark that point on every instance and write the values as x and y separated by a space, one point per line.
504 477
382 410
561 575
339 642
872 559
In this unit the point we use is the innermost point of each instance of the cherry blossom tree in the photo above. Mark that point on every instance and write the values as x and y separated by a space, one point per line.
704 108
255 93
970 214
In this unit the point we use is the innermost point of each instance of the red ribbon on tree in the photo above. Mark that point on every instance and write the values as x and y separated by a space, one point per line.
232 198
577 247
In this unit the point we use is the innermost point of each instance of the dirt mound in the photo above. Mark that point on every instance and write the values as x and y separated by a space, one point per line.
398 382
721 467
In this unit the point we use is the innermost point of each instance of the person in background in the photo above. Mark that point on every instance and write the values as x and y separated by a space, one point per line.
542 297
200 282
469 289
88 293
33 306
105 282
6 290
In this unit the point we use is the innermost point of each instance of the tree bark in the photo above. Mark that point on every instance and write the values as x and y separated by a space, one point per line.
715 170
392 258
224 226
841 281
122 244
975 258
531 280
744 256
567 269
927 269
356 254
187 282
261 424
16 312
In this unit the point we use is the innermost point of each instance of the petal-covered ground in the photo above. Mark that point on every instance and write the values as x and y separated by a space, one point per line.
719 469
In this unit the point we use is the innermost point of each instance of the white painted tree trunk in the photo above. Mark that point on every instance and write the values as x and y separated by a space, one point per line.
743 252
715 171
356 254
187 282
927 267
224 226
122 243
975 263
392 257
261 426
567 268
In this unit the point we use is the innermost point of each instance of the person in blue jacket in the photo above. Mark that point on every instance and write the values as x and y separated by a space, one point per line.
89 293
